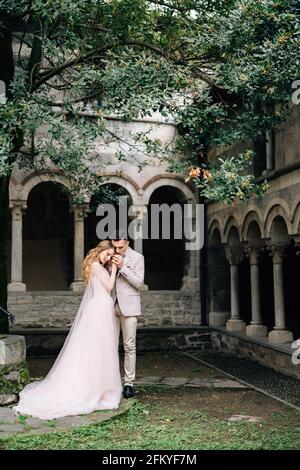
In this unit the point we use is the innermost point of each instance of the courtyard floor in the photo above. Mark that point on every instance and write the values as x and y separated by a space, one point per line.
179 404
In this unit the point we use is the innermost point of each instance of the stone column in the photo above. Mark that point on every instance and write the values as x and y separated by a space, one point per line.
234 255
218 295
139 215
191 279
79 214
256 327
138 223
279 334
16 284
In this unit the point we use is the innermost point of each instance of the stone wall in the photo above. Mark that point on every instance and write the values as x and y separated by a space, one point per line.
57 309
13 368
270 356
48 342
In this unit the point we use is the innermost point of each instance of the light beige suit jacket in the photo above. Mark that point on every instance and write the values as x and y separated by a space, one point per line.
129 280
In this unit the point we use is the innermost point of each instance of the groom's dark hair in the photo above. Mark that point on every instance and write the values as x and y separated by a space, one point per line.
119 235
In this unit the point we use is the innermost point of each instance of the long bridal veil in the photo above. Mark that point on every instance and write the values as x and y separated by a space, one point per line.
86 374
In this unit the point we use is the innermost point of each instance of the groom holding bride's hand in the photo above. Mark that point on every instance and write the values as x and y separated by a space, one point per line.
126 295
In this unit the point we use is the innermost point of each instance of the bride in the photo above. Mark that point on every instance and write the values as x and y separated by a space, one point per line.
86 375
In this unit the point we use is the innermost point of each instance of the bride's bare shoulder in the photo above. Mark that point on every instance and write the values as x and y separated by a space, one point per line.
97 265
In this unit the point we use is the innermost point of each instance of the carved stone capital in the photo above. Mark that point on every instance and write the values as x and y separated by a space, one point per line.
234 254
253 253
277 252
138 212
17 209
80 212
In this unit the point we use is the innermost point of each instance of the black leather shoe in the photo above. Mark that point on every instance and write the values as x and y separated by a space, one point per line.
128 391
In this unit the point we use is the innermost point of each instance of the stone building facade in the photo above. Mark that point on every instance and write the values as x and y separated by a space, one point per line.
247 279
253 263
49 239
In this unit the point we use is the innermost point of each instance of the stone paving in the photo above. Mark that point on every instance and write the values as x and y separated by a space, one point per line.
12 423
274 384
191 382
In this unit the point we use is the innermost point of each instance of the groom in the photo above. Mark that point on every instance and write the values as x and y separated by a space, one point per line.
127 298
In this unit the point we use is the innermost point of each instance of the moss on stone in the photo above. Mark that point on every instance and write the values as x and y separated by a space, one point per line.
8 386
24 374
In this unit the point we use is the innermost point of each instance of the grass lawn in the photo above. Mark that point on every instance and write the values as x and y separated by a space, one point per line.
181 418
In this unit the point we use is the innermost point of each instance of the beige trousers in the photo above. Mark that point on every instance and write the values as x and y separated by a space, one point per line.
128 326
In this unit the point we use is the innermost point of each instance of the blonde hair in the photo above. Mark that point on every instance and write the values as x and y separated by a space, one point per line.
93 255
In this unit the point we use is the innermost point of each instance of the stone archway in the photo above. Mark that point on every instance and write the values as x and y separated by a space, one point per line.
185 192
235 255
255 283
165 259
47 239
128 184
218 275
185 275
109 193
26 192
278 229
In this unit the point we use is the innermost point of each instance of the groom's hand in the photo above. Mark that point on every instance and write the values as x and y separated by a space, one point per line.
118 261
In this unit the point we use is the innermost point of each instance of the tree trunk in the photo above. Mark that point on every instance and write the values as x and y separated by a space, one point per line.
4 221
6 75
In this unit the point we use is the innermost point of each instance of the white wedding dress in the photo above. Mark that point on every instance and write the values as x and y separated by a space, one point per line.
86 374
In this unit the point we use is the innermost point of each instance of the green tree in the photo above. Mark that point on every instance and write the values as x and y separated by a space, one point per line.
74 49
231 62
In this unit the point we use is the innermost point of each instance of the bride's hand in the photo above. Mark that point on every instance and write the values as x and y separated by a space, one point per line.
118 259
113 267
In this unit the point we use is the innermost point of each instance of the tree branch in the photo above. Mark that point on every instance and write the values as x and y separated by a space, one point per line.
78 60
77 100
